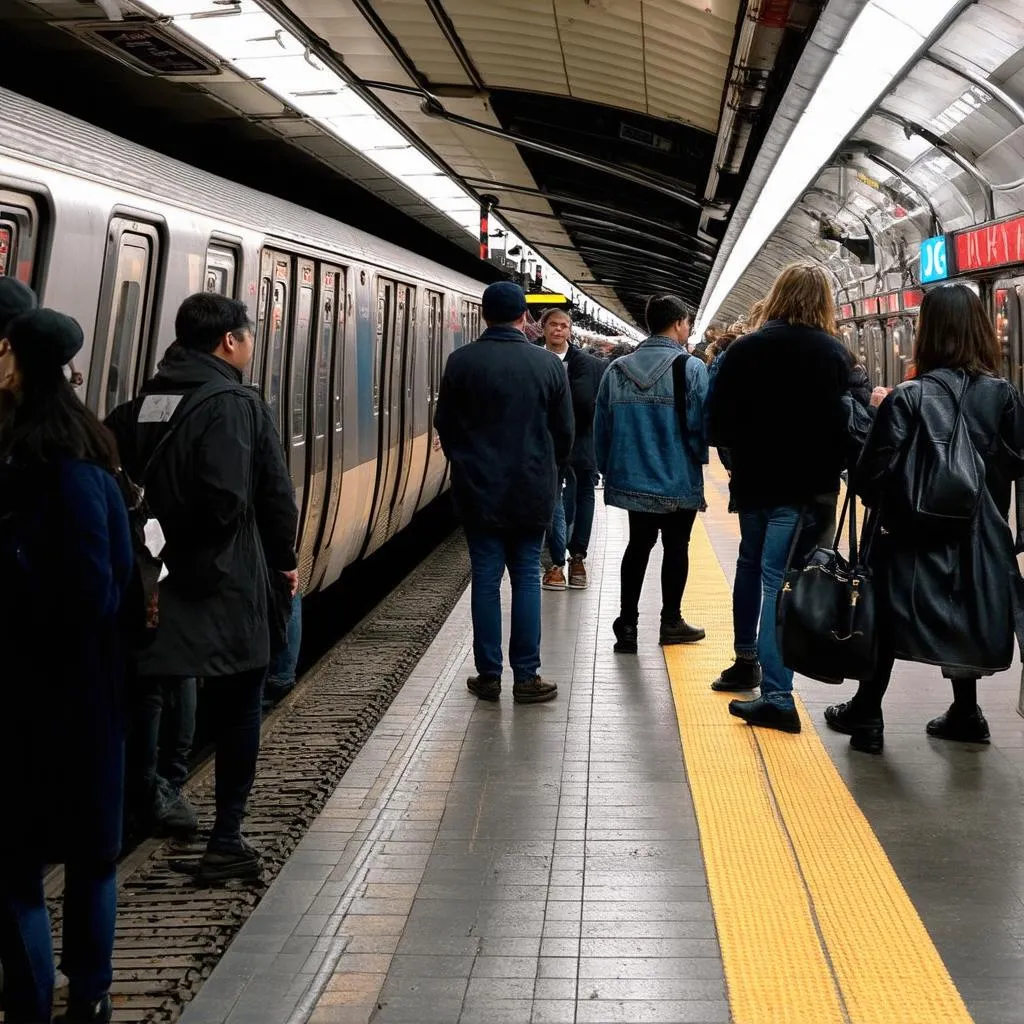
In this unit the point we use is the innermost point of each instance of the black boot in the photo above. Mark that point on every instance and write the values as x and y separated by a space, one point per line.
742 675
679 632
99 1011
625 636
866 731
228 860
962 726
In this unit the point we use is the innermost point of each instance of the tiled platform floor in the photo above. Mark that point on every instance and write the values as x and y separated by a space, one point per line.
526 864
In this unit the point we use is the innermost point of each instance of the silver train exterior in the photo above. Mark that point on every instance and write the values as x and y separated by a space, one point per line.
351 331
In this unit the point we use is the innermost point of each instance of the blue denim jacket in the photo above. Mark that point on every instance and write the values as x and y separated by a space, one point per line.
647 464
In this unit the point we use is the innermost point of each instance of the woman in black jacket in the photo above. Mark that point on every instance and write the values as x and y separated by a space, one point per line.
945 598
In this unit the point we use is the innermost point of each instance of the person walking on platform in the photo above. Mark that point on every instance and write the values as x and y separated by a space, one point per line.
66 560
787 450
574 513
504 419
222 494
650 445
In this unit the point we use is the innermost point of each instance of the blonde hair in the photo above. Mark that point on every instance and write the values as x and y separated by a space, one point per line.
802 294
756 315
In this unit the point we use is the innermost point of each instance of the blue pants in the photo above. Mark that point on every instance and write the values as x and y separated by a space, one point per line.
282 667
579 502
26 952
489 554
765 538
558 531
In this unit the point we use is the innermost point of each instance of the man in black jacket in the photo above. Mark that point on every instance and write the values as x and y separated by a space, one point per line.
787 449
222 494
504 418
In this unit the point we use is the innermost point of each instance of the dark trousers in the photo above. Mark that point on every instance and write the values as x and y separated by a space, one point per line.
675 528
163 729
236 705
26 951
579 509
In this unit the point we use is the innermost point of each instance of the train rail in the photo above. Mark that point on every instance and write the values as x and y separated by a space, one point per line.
170 932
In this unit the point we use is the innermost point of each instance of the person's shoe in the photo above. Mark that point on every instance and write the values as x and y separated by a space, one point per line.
484 687
275 690
743 675
97 1011
625 636
765 714
577 573
866 733
533 691
225 861
679 633
173 815
554 579
959 727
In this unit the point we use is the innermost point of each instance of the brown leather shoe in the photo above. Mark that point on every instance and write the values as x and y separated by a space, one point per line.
577 573
484 687
554 579
533 691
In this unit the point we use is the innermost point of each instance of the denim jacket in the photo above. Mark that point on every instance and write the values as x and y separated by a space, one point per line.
647 464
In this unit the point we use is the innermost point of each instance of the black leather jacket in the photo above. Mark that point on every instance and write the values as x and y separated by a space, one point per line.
949 603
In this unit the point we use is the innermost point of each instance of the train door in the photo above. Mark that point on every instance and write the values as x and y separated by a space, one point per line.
298 384
435 362
272 328
408 400
903 349
384 359
1008 329
19 235
874 337
124 314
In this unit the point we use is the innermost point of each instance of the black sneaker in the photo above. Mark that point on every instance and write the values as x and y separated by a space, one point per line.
534 691
679 633
961 728
742 675
484 687
225 861
173 815
99 1011
625 636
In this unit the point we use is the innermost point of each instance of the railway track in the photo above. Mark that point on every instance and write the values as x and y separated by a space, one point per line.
170 933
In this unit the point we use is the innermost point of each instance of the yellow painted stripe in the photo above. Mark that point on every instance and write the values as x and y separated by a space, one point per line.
814 925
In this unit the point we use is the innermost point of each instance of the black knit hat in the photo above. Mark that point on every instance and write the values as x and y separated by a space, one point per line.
15 298
44 339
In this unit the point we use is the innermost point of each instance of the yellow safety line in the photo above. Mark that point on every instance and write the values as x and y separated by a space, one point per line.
814 925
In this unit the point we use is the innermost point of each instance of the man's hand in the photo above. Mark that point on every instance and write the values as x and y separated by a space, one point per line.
878 396
292 576
437 442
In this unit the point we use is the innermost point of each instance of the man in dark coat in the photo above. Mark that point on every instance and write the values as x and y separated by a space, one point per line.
504 417
225 501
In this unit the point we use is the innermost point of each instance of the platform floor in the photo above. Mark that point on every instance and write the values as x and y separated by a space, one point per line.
575 862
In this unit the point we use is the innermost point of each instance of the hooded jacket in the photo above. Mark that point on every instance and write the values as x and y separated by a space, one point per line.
225 501
648 463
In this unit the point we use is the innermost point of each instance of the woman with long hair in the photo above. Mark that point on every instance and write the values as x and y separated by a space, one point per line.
65 561
944 597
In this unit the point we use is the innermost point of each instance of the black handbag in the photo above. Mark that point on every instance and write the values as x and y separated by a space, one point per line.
825 613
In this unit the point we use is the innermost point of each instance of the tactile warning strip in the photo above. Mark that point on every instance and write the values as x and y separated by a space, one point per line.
814 925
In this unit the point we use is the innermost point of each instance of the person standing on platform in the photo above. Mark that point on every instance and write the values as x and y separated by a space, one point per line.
504 419
650 445
787 451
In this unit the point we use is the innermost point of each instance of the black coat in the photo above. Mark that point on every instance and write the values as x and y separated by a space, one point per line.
585 373
65 562
949 603
859 385
776 404
224 498
504 417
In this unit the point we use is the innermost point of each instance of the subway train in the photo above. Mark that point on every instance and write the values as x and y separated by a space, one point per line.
351 331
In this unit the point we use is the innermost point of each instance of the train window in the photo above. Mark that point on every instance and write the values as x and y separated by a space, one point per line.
903 348
278 268
125 311
19 235
221 270
300 357
384 304
7 245
435 346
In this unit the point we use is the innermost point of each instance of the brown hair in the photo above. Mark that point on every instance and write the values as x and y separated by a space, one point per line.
955 333
802 294
756 315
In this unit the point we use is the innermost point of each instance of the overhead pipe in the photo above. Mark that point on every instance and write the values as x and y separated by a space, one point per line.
451 35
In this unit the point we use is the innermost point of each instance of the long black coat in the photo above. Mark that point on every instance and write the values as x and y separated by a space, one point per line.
950 603
585 372
65 562
224 498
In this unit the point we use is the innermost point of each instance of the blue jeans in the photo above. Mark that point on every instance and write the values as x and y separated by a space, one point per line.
26 952
282 667
557 532
163 728
489 554
579 509
765 538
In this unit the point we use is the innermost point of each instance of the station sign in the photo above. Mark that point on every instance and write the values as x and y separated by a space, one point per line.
934 264
545 299
990 246
912 298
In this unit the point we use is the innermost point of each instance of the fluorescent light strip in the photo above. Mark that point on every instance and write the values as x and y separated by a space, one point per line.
886 34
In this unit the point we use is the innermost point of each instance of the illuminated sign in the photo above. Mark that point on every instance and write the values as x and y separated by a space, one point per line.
545 298
891 302
933 260
912 298
995 245
846 311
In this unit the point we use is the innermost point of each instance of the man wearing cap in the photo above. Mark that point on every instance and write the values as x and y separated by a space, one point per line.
504 417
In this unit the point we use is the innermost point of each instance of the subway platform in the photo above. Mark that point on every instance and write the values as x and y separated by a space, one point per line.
632 853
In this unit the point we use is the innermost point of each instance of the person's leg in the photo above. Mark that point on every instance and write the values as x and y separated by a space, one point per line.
522 555
554 578
144 748
90 916
281 676
26 952
487 561
964 721
861 716
583 521
180 702
643 534
569 493
676 528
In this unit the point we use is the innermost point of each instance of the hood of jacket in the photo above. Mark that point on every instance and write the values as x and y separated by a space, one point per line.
183 369
650 361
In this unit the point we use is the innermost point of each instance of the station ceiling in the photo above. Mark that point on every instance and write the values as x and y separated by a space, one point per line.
615 135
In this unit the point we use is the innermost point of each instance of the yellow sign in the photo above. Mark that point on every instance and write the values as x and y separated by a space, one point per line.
870 182
545 298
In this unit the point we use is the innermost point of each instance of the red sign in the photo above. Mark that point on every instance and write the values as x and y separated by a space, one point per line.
868 306
994 245
775 13
891 303
912 298
845 311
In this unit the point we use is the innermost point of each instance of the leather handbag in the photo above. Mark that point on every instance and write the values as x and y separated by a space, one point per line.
825 613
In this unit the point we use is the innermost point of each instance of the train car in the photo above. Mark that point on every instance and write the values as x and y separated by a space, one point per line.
351 332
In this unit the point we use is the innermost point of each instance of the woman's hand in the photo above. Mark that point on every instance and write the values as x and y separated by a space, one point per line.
878 396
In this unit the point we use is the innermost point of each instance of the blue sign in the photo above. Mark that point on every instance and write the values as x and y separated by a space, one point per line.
933 260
